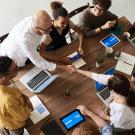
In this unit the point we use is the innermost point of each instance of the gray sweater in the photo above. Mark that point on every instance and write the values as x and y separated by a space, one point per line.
89 22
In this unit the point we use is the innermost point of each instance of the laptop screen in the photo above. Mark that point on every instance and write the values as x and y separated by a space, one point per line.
100 86
72 119
110 41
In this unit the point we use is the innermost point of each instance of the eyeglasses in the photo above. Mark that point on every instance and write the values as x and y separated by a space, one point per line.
45 30
100 9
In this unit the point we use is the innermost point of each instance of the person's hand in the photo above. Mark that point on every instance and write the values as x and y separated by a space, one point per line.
82 109
108 25
70 68
80 50
103 115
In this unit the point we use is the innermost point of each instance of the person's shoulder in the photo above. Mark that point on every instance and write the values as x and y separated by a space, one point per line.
85 12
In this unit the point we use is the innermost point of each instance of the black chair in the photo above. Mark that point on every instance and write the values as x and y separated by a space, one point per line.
3 37
72 14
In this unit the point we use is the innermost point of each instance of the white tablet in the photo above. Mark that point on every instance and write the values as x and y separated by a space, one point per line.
110 41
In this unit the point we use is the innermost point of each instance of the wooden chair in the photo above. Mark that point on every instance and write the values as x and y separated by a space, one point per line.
72 14
3 37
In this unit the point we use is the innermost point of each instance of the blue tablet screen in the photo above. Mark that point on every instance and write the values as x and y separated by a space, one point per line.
72 119
100 86
110 41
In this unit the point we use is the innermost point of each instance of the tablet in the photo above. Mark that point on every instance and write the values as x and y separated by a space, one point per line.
110 41
72 119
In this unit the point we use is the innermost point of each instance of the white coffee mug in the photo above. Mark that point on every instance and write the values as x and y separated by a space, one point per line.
109 49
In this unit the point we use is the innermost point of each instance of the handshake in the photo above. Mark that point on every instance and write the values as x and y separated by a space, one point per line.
71 69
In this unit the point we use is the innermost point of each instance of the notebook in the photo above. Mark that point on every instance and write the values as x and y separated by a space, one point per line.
102 90
72 119
37 79
110 40
76 59
40 111
52 128
125 63
124 67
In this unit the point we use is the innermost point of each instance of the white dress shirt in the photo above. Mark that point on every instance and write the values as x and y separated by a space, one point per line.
121 115
21 44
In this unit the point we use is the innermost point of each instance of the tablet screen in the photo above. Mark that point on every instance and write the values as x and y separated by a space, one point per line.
110 41
72 119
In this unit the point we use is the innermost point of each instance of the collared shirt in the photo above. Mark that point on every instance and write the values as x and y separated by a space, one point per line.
13 109
121 115
21 44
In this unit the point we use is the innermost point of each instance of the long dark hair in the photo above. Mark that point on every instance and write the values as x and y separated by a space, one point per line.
121 85
58 10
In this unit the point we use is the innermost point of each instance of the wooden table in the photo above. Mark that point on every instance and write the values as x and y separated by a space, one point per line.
82 89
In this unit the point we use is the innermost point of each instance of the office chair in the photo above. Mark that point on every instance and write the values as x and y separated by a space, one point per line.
3 37
72 14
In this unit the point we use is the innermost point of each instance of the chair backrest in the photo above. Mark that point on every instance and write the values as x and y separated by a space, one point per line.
78 10
3 37
73 13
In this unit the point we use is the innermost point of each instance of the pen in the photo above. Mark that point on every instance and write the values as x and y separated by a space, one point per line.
128 63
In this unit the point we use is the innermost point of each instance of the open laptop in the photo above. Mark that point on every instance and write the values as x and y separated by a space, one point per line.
103 91
131 41
37 79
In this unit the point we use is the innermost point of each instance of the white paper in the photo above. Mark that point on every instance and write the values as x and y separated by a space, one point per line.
124 67
39 112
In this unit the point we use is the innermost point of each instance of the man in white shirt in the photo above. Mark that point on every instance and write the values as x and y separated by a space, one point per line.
24 38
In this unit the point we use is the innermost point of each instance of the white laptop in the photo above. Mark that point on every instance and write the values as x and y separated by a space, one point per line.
103 91
36 79
40 111
131 41
76 59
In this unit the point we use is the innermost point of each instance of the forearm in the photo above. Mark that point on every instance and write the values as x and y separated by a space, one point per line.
81 39
86 73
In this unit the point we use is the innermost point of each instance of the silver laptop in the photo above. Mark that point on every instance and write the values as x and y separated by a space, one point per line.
104 94
37 79
103 91
131 41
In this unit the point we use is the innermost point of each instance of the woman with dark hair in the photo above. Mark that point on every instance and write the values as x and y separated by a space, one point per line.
122 99
61 25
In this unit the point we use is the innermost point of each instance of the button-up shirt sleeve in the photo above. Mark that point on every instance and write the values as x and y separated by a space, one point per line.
101 78
30 51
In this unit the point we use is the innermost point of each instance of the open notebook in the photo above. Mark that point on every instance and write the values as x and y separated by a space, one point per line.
76 59
40 111
125 63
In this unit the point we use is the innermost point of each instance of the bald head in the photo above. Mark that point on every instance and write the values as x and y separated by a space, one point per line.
42 19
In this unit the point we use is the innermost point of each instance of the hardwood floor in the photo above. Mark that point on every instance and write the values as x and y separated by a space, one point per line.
82 89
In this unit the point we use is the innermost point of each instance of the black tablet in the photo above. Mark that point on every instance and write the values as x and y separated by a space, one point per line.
72 119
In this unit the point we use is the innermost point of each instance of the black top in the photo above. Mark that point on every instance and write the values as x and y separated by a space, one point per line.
58 40
132 29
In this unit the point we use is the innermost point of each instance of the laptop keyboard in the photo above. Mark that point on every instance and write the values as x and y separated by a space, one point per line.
133 41
38 79
105 93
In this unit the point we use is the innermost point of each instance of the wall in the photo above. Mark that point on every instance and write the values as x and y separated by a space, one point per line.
13 11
